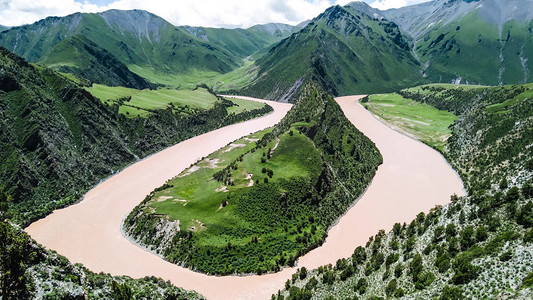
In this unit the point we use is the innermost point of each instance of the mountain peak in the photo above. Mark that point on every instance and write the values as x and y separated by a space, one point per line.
140 22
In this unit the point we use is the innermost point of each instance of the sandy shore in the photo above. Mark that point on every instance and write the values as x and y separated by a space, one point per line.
413 178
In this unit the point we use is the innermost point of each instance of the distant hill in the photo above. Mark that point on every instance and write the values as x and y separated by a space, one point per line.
135 38
484 41
79 56
345 49
244 42
360 49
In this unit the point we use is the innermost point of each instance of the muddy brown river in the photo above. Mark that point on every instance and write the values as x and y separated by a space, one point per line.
413 178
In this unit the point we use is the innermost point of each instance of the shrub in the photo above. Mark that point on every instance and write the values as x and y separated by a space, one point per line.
451 293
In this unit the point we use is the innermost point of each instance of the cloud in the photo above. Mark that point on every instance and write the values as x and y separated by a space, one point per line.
209 13
386 4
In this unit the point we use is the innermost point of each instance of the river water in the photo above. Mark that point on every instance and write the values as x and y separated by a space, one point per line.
413 178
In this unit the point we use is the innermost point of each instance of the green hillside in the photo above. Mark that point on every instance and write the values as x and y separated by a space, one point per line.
259 203
79 56
40 107
477 42
420 120
135 38
477 247
244 42
345 50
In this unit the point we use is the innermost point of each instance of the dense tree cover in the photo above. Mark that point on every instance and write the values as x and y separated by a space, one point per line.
285 216
453 251
29 271
56 140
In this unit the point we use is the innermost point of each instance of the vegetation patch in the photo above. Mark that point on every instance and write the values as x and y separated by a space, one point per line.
422 121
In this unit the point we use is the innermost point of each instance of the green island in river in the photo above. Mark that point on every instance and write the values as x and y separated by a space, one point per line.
262 201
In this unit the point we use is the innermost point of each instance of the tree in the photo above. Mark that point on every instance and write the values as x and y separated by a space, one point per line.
359 255
391 287
13 279
451 293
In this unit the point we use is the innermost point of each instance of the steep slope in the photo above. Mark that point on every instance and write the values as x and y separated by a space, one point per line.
2 28
479 246
345 50
56 140
485 41
136 38
244 42
79 56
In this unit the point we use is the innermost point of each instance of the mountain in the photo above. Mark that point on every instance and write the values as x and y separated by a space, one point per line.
57 140
346 49
244 42
79 56
2 28
138 39
484 41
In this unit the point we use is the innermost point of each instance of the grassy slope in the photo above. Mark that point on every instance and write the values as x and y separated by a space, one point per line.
144 103
424 122
85 59
346 51
480 246
469 48
135 38
269 224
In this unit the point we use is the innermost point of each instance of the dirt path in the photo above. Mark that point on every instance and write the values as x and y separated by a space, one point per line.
413 178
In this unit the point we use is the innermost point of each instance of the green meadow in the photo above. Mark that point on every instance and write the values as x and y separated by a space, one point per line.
142 103
422 121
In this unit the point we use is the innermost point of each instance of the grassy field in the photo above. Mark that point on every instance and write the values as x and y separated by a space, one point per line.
185 80
143 102
419 120
235 79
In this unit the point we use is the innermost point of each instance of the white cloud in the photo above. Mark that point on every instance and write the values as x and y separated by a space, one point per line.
214 13
386 4
211 13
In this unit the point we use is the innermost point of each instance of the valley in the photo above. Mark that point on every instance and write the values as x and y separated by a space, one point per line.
116 253
169 161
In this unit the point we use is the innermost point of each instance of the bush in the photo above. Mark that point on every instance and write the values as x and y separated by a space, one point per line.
525 215
528 236
528 280
451 293
391 287
361 286
481 233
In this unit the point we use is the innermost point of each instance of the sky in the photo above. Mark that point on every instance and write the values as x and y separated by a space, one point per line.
208 13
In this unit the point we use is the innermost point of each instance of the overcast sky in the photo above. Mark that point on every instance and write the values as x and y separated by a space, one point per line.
209 13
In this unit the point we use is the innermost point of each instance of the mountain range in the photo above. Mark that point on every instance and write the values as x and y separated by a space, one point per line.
145 43
347 49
